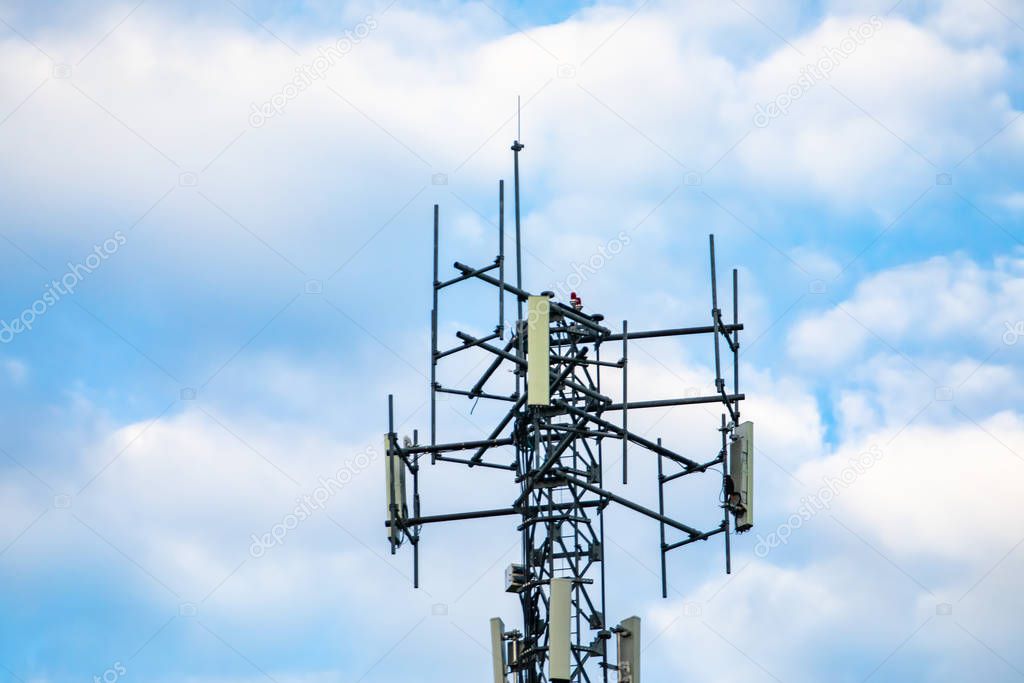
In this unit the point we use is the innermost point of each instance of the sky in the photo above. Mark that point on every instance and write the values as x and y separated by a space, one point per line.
215 266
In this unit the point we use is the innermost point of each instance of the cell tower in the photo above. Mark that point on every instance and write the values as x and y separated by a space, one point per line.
558 422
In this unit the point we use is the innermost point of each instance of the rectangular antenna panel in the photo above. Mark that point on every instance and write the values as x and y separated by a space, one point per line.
395 479
498 649
515 578
628 639
741 469
538 362
559 633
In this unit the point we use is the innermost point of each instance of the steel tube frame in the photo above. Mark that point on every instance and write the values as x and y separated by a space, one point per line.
523 295
558 449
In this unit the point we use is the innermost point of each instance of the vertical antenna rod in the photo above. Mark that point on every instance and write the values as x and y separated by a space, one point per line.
501 259
516 148
625 402
661 524
716 319
600 482
416 511
725 493
433 348
736 339
736 413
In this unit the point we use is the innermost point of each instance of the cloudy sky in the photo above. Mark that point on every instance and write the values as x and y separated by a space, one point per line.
215 256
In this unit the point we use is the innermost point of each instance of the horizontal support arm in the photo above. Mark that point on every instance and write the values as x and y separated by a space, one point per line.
475 463
700 537
454 517
484 514
636 507
703 468
522 294
635 438
674 332
479 394
669 402
457 446
466 276
466 345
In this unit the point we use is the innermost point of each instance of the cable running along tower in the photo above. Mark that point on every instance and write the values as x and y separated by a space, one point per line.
560 424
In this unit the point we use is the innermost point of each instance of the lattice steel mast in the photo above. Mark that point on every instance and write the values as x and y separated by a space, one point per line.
557 422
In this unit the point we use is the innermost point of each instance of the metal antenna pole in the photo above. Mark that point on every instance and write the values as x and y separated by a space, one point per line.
516 148
661 525
725 510
716 319
433 343
625 401
501 259
736 412
600 482
736 339
416 511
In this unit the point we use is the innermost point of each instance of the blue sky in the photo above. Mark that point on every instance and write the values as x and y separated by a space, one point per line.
261 283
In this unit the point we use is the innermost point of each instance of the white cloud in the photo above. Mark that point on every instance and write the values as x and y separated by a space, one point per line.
775 622
947 298
154 75
963 21
932 528
1013 201
936 489
17 370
